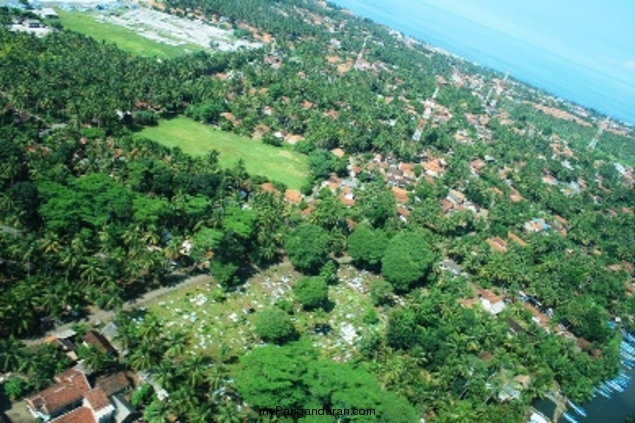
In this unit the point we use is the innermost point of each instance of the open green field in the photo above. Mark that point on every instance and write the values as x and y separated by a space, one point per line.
276 163
125 39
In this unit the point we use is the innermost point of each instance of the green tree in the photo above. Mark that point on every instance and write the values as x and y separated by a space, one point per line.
16 388
307 247
273 325
381 292
367 246
407 260
311 292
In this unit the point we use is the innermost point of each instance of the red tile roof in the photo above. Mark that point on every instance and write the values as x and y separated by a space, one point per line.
97 399
400 194
268 187
113 384
95 339
70 388
79 415
293 196
497 244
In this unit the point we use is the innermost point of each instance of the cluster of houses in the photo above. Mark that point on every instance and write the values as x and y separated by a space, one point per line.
77 396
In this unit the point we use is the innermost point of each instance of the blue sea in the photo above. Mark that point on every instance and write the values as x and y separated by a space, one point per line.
587 86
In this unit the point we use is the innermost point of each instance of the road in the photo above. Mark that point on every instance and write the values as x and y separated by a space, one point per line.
98 315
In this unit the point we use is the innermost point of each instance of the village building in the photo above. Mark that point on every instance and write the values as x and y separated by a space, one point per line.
452 267
497 244
491 302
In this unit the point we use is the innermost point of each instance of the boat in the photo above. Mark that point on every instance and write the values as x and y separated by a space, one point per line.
615 386
576 408
569 417
604 393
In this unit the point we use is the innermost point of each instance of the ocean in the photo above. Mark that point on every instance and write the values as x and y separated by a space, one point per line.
589 87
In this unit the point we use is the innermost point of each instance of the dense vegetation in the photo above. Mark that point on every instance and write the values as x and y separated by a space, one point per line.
93 214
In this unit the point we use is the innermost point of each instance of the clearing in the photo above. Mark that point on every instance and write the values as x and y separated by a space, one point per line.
211 321
276 163
148 32
126 39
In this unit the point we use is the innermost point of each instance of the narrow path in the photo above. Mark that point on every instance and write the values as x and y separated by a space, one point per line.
97 314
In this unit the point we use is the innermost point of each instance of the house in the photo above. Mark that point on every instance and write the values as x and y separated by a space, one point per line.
514 327
498 244
434 167
452 267
97 401
457 197
110 333
47 13
113 384
538 317
515 196
550 180
491 302
66 394
400 194
293 196
124 412
338 152
33 23
97 340
518 240
536 225
476 166
268 187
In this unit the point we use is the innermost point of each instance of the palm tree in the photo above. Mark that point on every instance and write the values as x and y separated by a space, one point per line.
200 414
193 370
157 412
141 358
11 352
165 375
176 344
226 412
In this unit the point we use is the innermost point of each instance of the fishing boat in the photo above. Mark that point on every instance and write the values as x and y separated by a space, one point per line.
604 393
569 417
615 386
577 408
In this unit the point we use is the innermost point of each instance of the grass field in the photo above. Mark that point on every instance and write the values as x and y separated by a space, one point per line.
276 163
125 39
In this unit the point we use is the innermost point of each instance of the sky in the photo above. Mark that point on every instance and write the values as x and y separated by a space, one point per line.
582 50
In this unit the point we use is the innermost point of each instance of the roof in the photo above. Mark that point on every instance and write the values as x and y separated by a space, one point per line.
518 240
446 205
477 164
79 415
268 187
491 296
514 326
497 244
456 196
97 340
293 196
451 265
68 333
123 409
338 152
400 194
70 388
113 384
97 399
